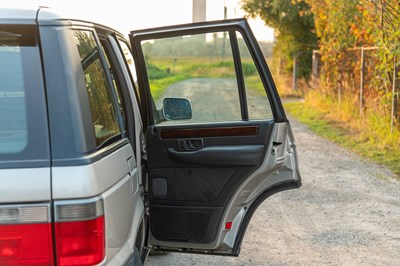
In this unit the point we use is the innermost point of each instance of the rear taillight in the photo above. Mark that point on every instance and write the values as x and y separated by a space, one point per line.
79 233
25 235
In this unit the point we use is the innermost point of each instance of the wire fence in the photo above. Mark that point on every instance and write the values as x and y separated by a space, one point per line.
360 79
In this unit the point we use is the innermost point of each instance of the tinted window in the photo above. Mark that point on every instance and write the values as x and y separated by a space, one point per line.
13 121
101 98
23 129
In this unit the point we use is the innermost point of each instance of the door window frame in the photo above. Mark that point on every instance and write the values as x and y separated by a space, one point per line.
237 25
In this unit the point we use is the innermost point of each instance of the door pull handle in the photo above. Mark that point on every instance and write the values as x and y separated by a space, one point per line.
191 144
277 143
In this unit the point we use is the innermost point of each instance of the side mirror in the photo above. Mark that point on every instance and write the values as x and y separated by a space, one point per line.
177 109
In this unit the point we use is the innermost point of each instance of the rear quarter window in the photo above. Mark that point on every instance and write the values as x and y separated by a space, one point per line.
23 126
101 94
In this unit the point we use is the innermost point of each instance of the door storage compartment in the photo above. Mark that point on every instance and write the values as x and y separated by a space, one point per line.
191 224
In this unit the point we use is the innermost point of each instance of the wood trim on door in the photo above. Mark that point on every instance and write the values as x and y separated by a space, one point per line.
209 132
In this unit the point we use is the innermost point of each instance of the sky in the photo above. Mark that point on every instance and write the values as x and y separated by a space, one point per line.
126 15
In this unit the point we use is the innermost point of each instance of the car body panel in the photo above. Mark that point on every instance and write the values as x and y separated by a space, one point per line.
92 179
14 188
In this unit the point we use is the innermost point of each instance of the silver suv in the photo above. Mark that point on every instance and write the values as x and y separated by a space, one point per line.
110 148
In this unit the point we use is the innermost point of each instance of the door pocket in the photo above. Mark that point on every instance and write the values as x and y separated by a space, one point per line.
190 184
192 224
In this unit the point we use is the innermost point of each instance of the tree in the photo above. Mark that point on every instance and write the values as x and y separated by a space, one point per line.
293 22
339 27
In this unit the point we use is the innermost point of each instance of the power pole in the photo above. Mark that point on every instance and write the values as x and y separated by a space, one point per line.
199 10
225 36
225 10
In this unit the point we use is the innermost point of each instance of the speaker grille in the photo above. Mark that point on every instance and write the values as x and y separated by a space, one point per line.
177 224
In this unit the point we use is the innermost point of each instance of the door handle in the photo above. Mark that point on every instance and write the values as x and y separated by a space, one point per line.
277 143
190 144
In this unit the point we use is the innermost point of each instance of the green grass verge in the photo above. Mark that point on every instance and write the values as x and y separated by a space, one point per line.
339 133
158 86
165 72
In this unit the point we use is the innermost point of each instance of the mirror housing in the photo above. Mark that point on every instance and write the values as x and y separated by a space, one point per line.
177 109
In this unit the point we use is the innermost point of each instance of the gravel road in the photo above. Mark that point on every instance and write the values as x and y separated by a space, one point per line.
346 213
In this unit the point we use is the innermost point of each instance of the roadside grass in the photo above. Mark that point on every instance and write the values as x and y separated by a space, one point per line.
158 86
368 136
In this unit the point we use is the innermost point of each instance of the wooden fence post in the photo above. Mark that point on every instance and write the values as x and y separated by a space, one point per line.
295 72
392 118
340 87
362 82
315 67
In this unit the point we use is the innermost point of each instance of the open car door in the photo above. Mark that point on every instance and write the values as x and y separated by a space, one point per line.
218 142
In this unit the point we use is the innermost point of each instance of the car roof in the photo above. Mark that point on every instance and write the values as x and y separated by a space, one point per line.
17 15
43 16
34 13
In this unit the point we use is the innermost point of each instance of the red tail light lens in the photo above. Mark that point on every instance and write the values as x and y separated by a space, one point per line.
80 243
80 235
26 244
25 236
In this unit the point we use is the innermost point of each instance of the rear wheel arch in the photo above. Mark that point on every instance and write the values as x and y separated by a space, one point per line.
253 207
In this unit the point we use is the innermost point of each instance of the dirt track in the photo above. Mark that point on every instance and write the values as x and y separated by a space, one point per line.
346 213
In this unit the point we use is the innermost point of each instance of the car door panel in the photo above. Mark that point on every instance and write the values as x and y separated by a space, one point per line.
180 218
247 152
191 184
208 174
191 188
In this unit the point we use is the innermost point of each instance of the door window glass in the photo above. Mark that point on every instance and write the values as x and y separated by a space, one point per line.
199 68
258 105
117 87
102 104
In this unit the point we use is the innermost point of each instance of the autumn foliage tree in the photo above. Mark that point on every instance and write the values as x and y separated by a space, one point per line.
293 22
342 27
358 86
337 28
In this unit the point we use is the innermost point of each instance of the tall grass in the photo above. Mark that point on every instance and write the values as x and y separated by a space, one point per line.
367 134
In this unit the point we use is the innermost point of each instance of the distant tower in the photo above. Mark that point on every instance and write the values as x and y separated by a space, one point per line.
199 10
